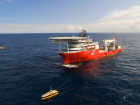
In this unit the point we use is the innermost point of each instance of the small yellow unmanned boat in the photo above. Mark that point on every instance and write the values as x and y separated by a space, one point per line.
49 94
2 47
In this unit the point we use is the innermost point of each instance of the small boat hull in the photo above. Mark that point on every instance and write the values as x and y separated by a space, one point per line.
49 95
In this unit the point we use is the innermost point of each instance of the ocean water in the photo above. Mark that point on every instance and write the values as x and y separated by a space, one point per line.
30 64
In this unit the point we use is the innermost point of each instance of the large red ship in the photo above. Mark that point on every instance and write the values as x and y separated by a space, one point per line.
82 48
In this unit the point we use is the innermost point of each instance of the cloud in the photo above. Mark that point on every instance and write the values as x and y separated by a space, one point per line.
38 28
130 25
71 27
127 20
132 13
11 1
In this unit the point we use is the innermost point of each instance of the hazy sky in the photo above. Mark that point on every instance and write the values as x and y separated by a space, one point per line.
51 16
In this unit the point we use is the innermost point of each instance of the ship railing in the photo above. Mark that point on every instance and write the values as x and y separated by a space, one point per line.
67 51
70 51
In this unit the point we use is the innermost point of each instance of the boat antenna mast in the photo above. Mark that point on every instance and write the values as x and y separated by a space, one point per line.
50 88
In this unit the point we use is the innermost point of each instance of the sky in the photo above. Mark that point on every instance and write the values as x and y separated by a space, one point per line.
68 16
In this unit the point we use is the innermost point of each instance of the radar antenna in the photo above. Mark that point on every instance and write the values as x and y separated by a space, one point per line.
83 33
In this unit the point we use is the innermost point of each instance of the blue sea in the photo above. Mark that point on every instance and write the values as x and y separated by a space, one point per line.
30 64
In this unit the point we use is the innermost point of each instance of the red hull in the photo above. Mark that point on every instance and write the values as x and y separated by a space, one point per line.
85 55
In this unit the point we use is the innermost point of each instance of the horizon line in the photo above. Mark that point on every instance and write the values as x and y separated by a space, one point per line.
73 32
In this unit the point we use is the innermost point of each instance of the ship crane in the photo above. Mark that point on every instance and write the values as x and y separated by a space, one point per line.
109 43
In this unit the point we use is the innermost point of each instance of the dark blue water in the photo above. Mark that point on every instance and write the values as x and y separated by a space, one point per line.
29 65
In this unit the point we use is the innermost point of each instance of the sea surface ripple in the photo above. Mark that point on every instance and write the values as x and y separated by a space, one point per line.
30 64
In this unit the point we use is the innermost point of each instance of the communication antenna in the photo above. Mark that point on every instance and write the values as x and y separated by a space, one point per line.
50 88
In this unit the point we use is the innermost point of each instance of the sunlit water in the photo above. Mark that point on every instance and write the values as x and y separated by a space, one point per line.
29 65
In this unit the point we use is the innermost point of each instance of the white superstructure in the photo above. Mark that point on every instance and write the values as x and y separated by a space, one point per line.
74 44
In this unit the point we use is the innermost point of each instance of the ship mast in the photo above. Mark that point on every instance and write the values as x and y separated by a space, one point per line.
83 33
